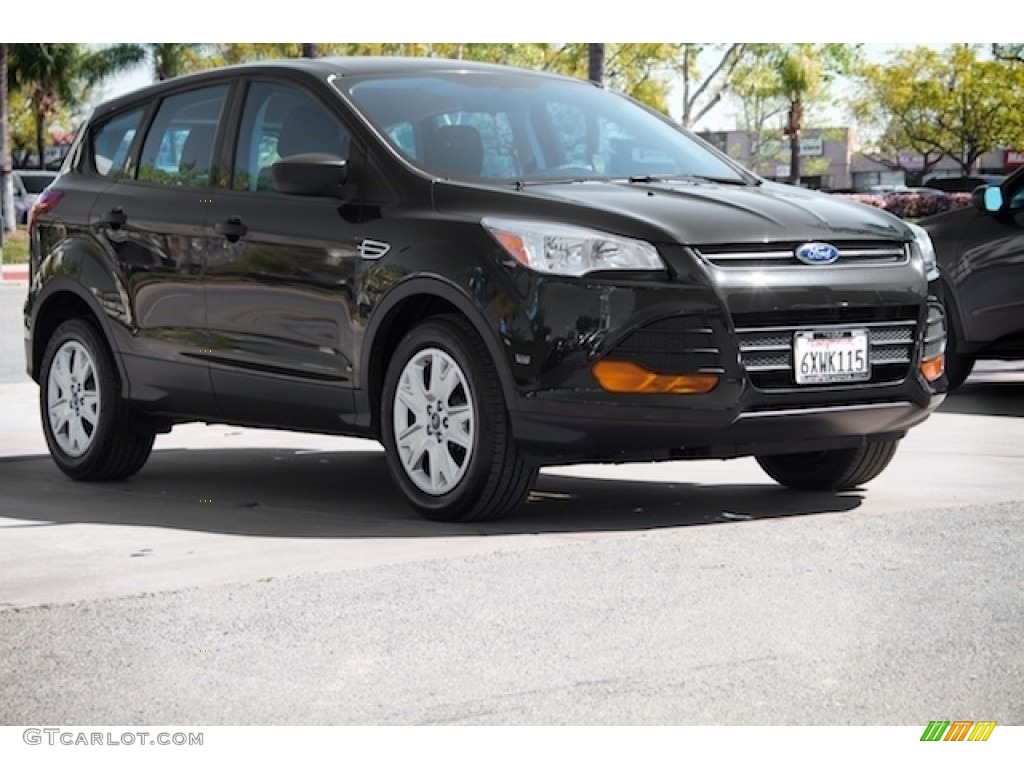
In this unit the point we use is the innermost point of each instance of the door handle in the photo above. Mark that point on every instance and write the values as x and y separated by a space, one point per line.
115 218
232 229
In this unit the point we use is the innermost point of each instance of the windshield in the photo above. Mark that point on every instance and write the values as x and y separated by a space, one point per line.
507 126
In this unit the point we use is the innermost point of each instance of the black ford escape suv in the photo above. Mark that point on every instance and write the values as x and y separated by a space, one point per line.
488 270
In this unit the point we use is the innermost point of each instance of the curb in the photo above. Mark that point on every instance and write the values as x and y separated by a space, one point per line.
14 273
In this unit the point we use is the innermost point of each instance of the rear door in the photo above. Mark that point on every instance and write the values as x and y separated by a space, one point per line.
153 220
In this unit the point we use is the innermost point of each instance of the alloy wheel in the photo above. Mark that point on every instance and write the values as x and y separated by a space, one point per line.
434 421
73 398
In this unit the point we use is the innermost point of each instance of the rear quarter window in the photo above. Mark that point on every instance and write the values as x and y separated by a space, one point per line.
111 143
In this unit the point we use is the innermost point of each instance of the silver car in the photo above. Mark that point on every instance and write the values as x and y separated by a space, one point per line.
27 187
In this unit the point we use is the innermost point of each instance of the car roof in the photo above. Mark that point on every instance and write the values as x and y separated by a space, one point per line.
322 68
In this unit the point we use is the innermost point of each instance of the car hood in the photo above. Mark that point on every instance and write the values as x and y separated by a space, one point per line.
699 213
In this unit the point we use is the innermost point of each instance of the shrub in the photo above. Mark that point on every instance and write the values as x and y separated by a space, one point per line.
911 205
914 206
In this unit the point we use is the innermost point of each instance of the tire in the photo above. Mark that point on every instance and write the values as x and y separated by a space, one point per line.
445 426
958 364
88 428
834 470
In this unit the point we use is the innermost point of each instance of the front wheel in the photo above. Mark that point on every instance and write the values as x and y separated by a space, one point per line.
88 428
445 426
834 470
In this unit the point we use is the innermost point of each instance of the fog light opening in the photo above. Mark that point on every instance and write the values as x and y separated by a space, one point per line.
932 369
626 376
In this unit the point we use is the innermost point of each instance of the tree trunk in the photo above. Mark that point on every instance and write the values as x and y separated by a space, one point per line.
41 138
6 178
595 63
309 51
794 159
796 118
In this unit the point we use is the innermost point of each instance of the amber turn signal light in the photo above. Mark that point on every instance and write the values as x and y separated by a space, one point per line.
932 369
624 376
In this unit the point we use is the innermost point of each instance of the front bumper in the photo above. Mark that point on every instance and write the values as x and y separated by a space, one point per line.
740 331
631 435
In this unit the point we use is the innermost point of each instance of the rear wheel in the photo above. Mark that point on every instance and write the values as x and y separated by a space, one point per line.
445 426
88 428
833 470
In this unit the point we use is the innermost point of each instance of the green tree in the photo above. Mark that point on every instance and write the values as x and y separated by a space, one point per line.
1009 52
175 59
952 103
21 122
756 89
702 91
805 71
899 112
790 80
63 73
640 70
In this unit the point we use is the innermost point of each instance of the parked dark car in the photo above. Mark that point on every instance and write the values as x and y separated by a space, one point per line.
962 183
981 256
487 269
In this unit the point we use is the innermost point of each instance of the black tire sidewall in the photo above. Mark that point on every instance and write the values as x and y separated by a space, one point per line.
447 336
958 365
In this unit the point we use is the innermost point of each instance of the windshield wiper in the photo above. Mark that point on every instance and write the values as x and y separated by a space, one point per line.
651 179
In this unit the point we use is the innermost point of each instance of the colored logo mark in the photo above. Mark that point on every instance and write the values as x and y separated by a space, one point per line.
958 730
817 253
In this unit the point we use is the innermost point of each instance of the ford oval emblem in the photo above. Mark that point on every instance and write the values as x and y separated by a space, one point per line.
817 253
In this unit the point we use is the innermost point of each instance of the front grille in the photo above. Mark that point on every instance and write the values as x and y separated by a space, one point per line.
766 342
776 255
681 344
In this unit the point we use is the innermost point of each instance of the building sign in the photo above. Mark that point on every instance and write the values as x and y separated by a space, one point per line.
1013 158
812 147
781 150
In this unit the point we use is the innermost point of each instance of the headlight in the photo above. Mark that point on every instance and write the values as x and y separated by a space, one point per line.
563 249
924 244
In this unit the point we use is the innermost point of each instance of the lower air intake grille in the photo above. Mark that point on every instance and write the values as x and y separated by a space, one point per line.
672 345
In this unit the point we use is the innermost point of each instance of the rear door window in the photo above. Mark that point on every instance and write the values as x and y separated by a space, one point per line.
179 146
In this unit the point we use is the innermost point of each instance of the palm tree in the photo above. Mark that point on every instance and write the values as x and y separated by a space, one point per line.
63 72
173 59
800 76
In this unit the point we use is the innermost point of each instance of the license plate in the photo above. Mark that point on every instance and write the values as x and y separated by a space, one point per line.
827 357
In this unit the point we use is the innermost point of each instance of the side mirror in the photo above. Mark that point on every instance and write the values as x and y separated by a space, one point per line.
313 174
990 198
